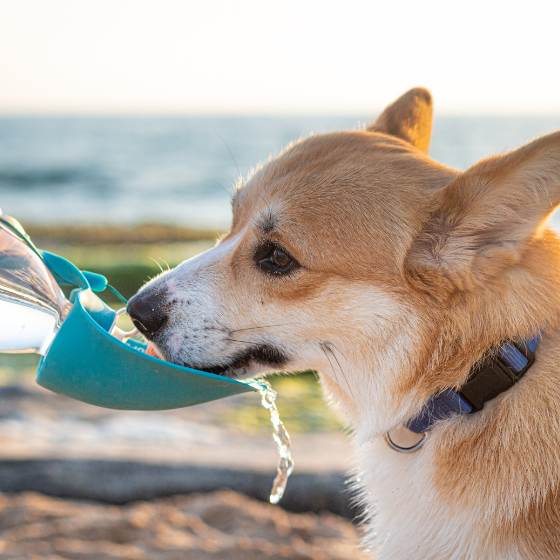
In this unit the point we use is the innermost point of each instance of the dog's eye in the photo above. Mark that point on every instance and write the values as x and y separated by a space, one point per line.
273 259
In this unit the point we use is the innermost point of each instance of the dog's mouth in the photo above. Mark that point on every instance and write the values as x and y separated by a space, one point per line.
260 355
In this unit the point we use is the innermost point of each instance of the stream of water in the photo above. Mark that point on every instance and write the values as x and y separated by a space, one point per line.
281 438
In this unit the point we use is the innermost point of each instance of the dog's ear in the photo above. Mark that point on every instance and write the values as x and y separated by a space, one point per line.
408 118
482 221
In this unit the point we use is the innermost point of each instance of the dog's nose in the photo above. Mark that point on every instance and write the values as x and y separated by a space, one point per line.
146 311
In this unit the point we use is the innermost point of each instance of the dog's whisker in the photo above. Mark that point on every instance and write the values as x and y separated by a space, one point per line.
158 264
327 356
242 341
328 348
334 347
259 327
342 372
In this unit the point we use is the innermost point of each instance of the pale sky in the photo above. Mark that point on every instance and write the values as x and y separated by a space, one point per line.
283 56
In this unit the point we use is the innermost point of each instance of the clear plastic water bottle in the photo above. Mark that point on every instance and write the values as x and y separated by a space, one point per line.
32 305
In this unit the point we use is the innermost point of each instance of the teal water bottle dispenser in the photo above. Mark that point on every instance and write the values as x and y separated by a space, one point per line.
84 355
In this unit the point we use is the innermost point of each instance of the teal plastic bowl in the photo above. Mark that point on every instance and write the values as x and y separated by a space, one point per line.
85 362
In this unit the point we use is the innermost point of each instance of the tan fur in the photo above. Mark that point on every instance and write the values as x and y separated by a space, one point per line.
463 261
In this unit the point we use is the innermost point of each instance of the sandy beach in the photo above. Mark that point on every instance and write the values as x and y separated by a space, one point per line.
220 525
80 482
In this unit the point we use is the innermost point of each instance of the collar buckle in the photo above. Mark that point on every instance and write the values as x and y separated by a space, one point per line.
497 373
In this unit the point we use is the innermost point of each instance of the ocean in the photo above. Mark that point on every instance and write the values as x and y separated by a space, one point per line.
181 169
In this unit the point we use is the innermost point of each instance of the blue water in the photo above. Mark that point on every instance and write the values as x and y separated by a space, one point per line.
181 169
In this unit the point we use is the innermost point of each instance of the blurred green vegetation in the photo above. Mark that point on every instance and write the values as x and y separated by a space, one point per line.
300 403
130 257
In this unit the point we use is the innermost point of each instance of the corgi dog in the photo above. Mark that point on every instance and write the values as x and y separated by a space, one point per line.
402 282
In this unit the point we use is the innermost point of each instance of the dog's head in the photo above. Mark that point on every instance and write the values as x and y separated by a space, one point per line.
346 253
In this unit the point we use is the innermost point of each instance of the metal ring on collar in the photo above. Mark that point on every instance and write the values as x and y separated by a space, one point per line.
412 441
